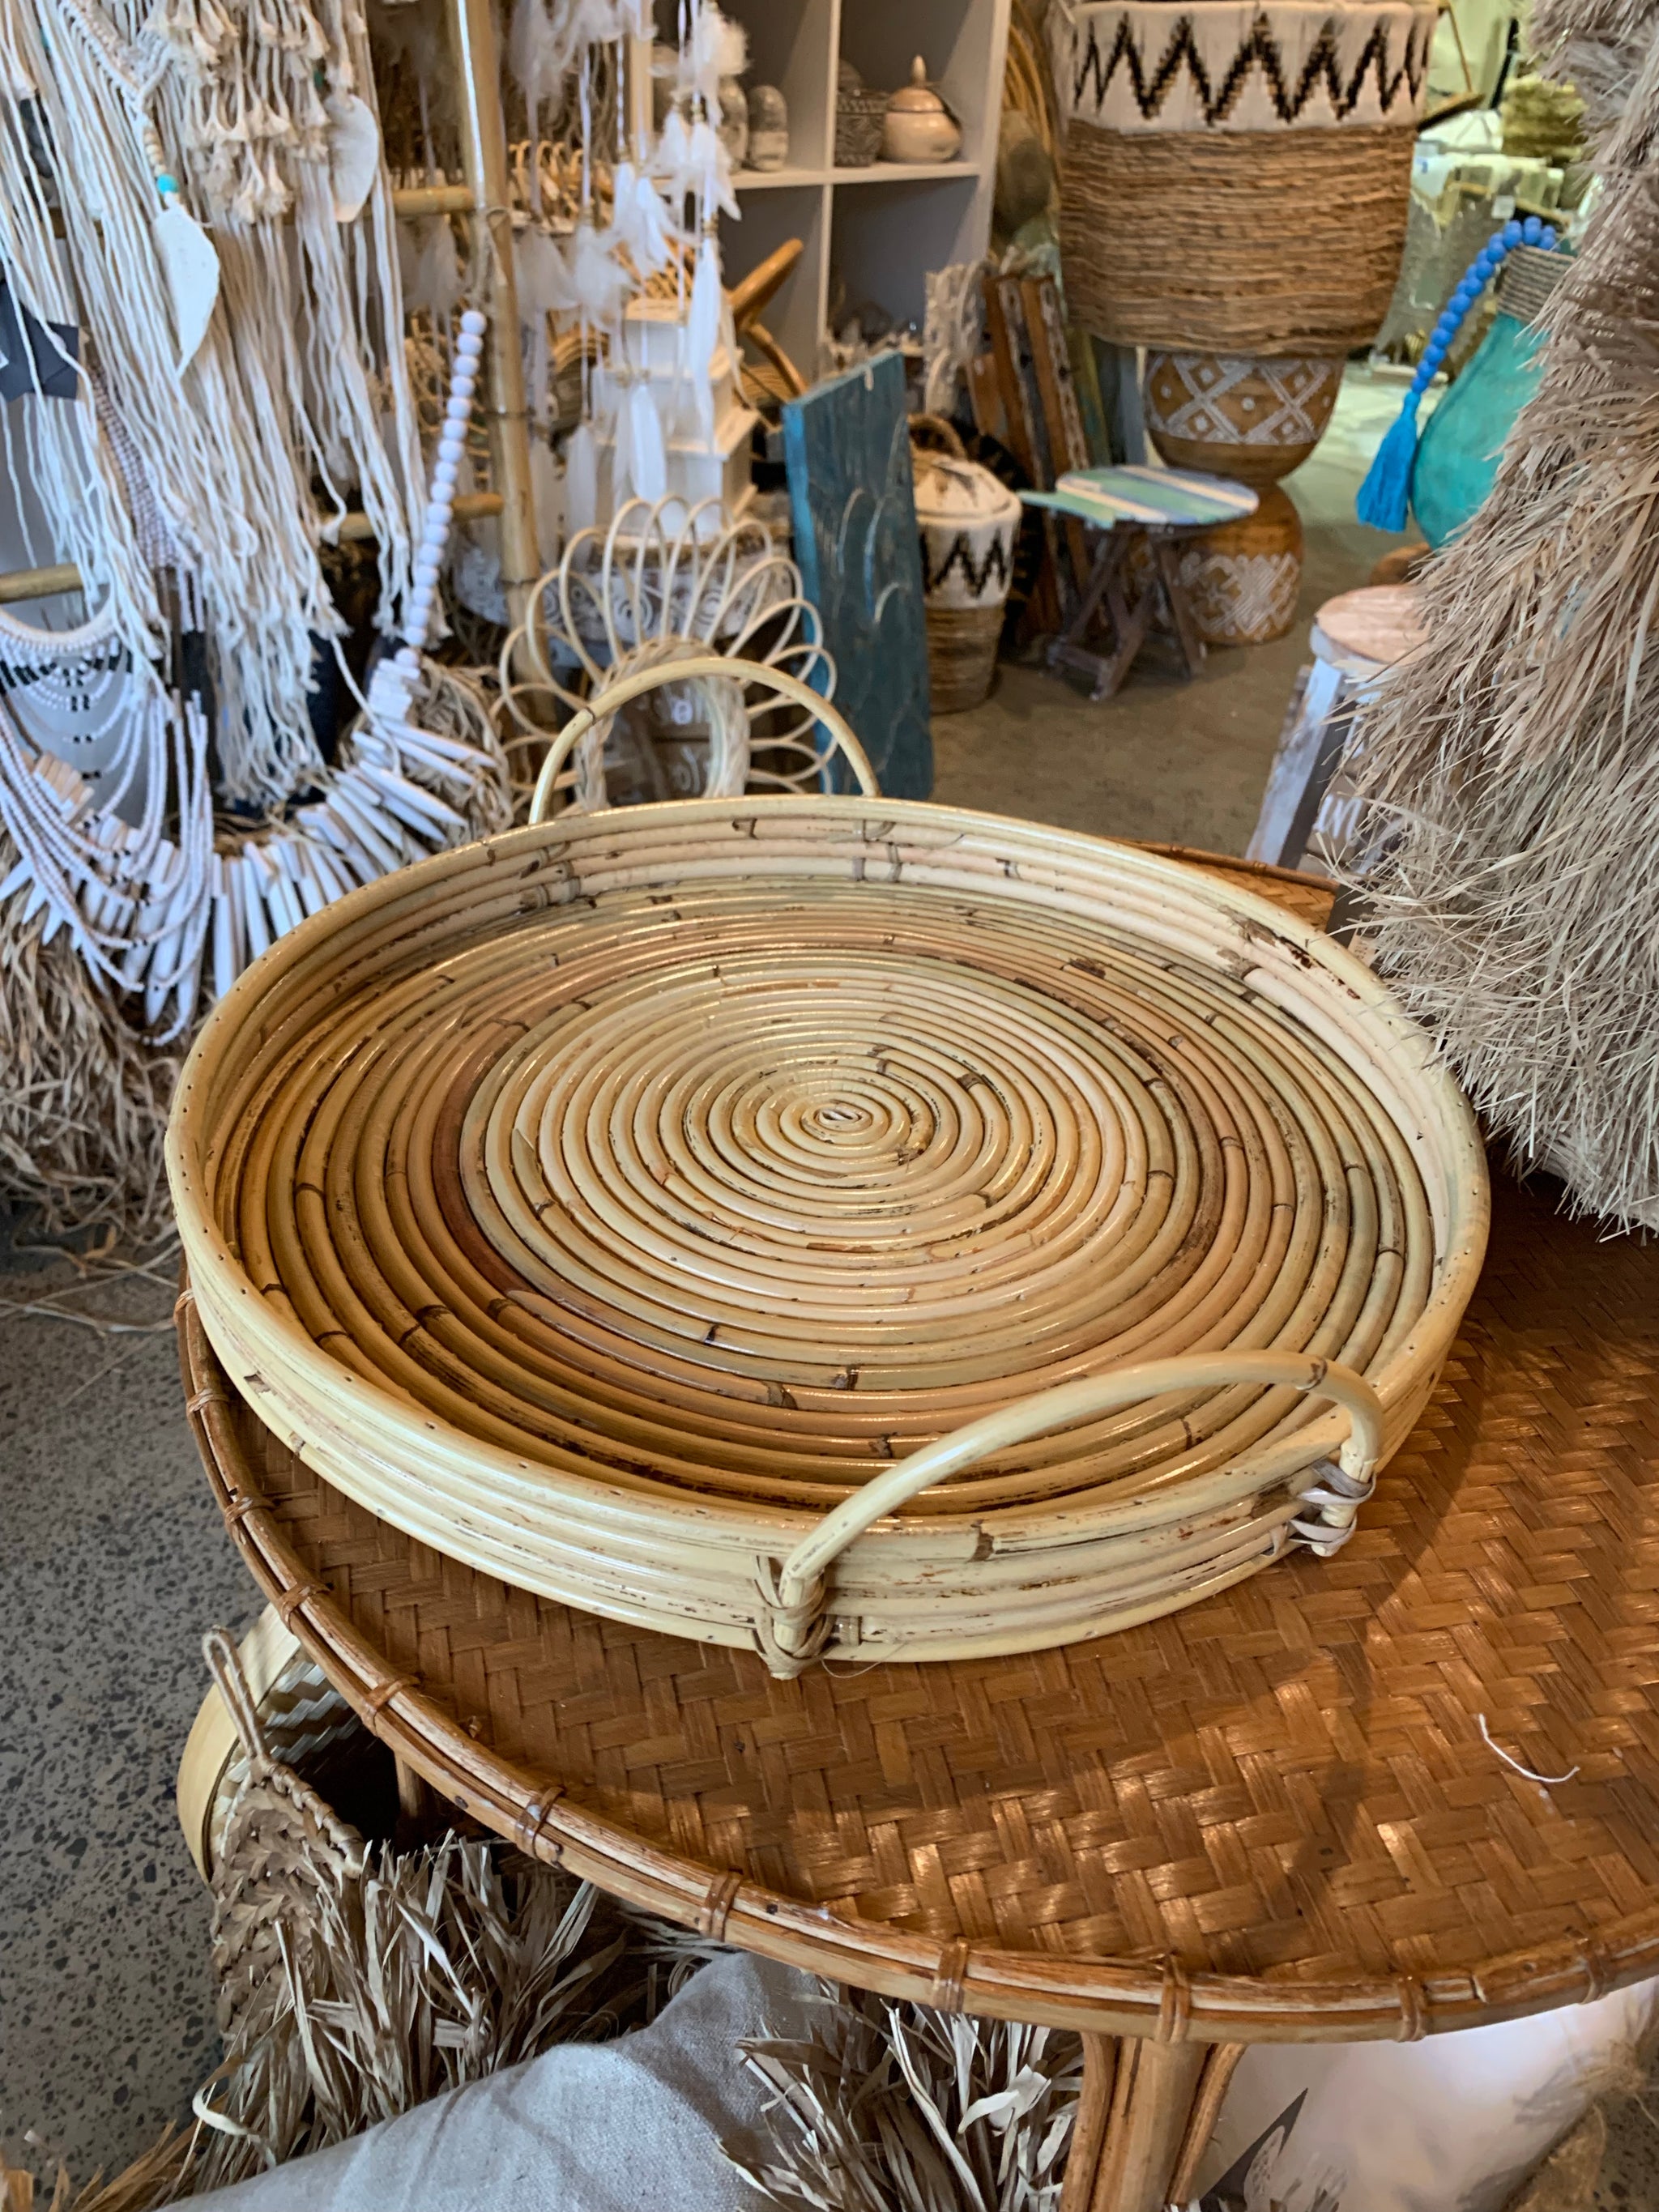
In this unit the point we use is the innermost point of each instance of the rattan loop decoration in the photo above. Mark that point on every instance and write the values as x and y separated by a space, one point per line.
706 669
837 1227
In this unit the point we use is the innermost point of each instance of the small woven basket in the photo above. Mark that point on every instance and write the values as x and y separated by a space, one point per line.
860 115
961 655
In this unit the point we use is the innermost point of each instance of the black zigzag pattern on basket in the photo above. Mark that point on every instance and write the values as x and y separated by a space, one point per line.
961 557
1260 51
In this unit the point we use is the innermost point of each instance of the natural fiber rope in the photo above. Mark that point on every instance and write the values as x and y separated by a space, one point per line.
714 1197
1262 241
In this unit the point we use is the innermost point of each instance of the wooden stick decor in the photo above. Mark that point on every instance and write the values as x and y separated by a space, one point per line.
839 1227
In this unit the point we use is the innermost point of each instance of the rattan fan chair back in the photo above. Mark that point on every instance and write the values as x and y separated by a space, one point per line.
841 1226
667 585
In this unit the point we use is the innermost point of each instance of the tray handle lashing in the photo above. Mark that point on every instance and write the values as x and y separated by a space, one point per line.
795 1625
707 665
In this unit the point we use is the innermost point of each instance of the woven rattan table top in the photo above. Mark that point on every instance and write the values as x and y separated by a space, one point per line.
1273 1816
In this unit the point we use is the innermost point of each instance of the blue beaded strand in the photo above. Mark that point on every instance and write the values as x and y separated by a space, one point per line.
1385 495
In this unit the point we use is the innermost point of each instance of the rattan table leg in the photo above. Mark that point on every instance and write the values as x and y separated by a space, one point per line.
1150 2095
417 1804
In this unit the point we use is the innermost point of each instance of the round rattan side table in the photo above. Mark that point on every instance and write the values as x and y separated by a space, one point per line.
1274 1816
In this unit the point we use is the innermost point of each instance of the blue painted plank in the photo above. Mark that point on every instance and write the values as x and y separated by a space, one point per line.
847 449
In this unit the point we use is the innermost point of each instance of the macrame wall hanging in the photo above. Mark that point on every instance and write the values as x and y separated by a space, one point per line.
197 256
201 263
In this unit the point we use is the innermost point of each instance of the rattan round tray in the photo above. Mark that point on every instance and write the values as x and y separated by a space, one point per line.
839 1227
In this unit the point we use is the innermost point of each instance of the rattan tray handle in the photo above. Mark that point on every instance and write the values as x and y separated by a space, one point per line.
679 672
798 1623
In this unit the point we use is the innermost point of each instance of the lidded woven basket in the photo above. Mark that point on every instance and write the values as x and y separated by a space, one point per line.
968 521
841 1226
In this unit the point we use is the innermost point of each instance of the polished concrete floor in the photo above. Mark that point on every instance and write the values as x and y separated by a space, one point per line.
112 1560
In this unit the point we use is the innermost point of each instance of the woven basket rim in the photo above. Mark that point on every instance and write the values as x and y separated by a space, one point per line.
1461 1229
1150 1997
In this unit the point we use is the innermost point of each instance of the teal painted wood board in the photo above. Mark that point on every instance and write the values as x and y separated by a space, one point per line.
847 450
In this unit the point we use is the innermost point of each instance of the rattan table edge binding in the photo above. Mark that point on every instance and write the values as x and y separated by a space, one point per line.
1159 1998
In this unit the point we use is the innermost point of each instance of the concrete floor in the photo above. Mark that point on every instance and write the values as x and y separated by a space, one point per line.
1172 761
114 1561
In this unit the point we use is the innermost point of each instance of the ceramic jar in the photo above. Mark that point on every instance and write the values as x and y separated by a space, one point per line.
919 126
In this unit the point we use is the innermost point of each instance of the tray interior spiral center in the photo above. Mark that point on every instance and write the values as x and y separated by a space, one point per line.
751 1187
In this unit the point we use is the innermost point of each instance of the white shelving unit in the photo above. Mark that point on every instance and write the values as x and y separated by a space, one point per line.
873 234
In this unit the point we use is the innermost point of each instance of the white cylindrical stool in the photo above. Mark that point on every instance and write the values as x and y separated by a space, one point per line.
1306 809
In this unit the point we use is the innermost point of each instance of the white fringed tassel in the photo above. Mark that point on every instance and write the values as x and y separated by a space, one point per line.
581 479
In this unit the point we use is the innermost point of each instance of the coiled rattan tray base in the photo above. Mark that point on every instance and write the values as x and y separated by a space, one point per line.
608 1204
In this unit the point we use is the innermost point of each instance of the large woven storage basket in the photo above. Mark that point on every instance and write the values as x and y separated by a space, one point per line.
641 1207
1232 179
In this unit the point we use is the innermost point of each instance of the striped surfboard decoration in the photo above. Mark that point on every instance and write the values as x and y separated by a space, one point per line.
1149 498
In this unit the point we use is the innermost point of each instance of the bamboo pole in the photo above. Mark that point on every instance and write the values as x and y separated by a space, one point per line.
17 584
484 158
432 199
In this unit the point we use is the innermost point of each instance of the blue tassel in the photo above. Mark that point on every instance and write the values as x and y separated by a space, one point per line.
1385 495
1385 498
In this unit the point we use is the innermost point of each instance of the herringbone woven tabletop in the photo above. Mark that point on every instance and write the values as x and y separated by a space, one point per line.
1273 1814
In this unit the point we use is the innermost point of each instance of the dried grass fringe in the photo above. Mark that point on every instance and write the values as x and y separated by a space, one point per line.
83 1101
894 2108
1511 770
418 1973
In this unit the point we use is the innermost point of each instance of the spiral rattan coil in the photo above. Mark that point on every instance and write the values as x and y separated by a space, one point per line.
606 1203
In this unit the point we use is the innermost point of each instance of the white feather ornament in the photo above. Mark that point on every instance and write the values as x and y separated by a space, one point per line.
438 284
599 285
648 461
702 330
673 158
191 269
639 219
711 170
354 154
581 480
545 286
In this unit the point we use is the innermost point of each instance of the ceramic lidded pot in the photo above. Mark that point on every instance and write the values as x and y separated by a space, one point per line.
919 126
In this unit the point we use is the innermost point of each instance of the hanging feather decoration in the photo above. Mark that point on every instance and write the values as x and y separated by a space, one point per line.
581 479
647 460
702 330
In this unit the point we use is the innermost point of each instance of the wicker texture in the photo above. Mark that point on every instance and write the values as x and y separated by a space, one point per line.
280 1845
1243 579
1286 1785
961 655
1266 242
615 1202
859 117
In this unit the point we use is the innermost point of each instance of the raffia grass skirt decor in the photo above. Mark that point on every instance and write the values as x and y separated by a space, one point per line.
832 1226
1235 242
